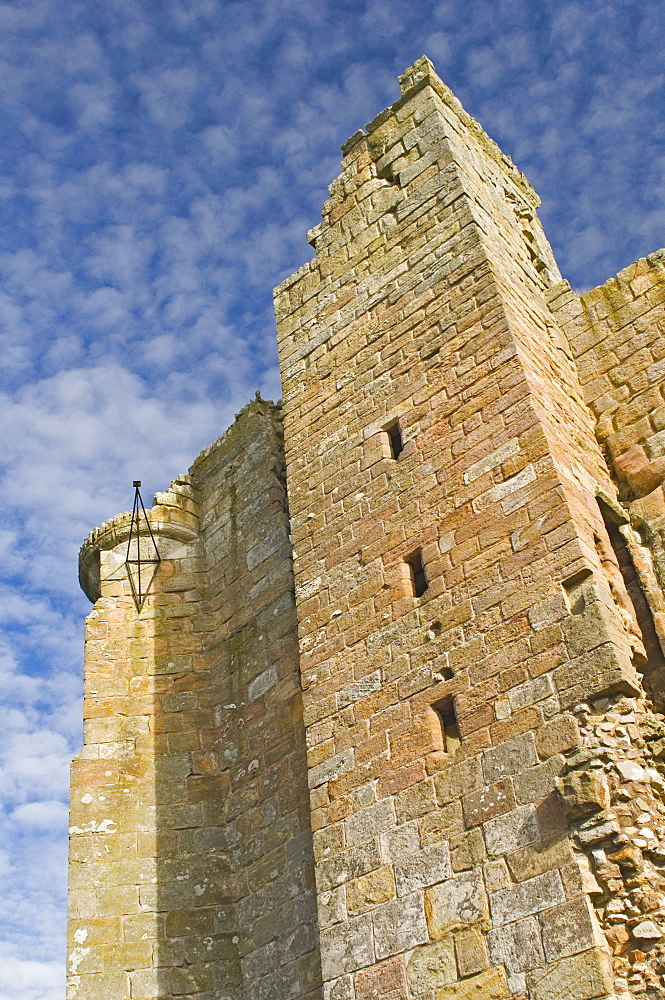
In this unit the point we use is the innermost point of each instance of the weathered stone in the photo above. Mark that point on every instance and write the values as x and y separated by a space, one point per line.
429 865
647 930
456 903
368 822
584 793
509 758
517 945
471 951
567 929
490 985
369 890
399 926
512 830
339 989
347 946
526 898
491 801
631 771
581 977
467 850
385 980
431 965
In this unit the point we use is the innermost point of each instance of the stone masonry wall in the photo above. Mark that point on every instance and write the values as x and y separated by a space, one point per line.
256 745
439 724
191 865
614 789
117 928
423 759
616 333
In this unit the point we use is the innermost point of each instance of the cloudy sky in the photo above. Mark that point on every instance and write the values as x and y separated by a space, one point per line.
160 163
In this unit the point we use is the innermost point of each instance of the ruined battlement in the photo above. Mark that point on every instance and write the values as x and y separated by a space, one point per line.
388 722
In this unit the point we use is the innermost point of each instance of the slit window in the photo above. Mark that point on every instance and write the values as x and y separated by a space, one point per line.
395 442
446 721
417 572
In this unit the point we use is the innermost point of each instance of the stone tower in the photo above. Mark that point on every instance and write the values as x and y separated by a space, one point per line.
438 772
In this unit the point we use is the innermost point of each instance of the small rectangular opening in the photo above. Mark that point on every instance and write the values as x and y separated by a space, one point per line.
417 571
395 442
444 711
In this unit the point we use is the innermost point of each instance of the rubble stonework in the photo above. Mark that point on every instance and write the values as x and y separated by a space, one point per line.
415 748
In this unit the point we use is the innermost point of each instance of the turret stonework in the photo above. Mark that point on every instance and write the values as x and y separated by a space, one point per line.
388 725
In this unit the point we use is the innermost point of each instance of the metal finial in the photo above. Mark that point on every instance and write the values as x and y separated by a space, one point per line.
140 581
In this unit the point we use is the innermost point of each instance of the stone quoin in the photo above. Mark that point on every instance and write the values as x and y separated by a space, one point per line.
388 723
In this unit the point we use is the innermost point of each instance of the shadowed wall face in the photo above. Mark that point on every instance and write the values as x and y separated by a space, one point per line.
260 828
191 852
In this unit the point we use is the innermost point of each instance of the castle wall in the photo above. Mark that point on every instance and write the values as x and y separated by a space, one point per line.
117 804
425 758
191 863
615 333
616 336
256 746
446 872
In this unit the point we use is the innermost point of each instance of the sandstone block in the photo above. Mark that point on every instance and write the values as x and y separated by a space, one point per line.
471 952
385 980
517 945
370 890
400 842
441 823
530 692
427 866
431 965
535 859
595 673
490 985
467 850
399 926
109 985
580 977
492 801
346 947
584 793
511 830
526 898
415 801
567 929
352 863
458 902
339 989
537 782
332 768
465 777
509 758
370 821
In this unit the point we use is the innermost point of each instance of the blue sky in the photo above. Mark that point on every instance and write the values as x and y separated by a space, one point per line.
160 163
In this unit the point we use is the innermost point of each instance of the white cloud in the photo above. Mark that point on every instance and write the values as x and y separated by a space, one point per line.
30 979
47 816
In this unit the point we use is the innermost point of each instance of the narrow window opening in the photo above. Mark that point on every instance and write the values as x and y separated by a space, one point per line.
574 591
417 571
637 606
395 439
446 717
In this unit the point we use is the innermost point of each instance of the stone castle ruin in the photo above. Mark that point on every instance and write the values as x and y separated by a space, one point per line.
389 721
